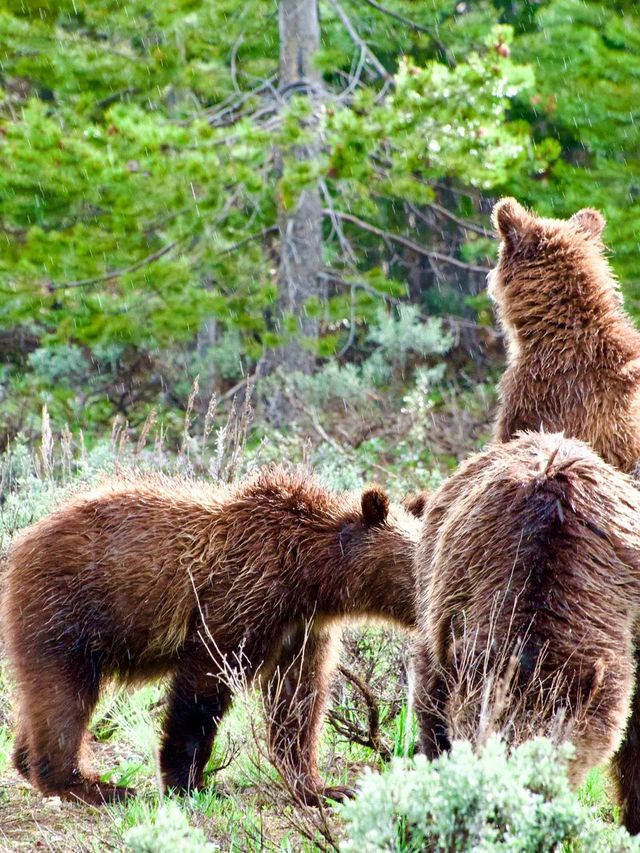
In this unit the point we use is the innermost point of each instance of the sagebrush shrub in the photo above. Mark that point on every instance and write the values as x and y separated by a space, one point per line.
495 800
395 338
169 832
400 335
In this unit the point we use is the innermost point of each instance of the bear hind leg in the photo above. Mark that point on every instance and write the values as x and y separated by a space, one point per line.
20 757
57 722
626 763
429 702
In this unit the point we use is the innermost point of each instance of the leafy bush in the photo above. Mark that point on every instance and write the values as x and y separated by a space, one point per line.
169 832
398 339
332 382
399 336
493 801
57 363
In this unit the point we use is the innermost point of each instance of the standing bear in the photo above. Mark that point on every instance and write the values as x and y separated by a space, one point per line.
147 577
573 354
528 571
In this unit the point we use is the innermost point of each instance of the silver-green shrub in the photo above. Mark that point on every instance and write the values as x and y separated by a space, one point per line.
487 802
169 832
398 336
394 339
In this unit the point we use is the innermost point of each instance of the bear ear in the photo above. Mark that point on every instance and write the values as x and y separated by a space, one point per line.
375 506
589 221
415 504
510 220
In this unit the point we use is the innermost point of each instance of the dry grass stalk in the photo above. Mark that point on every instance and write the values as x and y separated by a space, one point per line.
144 432
486 695
45 472
184 446
316 824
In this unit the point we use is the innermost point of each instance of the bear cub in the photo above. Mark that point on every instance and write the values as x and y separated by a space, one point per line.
149 577
573 354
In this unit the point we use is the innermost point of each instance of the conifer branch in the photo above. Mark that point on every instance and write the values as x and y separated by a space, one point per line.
462 223
98 279
414 25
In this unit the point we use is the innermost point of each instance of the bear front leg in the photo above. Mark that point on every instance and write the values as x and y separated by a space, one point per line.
626 764
198 700
296 698
430 702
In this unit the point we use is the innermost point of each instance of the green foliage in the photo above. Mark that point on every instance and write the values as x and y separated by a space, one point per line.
139 184
128 718
395 339
34 479
167 832
139 189
588 55
5 748
596 792
399 337
494 801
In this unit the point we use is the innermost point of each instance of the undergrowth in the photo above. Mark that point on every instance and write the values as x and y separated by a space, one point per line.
245 805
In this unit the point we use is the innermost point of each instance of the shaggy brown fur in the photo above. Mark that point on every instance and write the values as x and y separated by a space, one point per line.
146 577
529 561
416 503
573 353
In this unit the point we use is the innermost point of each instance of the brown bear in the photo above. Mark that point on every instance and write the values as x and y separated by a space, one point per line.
573 354
528 575
145 577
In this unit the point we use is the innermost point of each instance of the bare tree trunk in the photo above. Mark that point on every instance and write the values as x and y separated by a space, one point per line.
301 228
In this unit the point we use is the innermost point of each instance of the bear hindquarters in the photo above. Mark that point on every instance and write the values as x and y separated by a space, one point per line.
296 699
198 699
57 702
626 764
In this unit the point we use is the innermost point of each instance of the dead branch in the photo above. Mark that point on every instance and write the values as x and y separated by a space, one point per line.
345 245
270 229
233 103
405 241
231 752
85 282
353 34
462 223
247 380
414 25
372 738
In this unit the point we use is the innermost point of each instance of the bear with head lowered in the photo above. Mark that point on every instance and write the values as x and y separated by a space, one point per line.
209 586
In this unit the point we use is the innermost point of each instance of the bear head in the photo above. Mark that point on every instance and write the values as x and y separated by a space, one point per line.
548 266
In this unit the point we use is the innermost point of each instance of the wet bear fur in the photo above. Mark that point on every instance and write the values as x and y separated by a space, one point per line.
573 353
148 577
528 574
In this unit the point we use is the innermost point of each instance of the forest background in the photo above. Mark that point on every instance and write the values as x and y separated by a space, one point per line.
186 192
238 231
